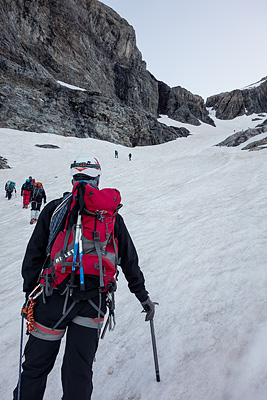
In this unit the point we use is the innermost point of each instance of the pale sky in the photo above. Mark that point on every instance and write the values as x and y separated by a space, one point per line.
205 46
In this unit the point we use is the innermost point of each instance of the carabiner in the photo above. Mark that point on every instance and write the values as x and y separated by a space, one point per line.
31 295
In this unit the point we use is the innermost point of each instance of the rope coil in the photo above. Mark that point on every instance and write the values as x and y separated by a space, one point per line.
30 318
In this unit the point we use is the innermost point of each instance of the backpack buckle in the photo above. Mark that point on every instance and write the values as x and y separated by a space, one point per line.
76 264
99 216
96 236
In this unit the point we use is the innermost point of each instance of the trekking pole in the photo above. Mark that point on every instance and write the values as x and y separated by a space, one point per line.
20 355
82 285
154 350
75 264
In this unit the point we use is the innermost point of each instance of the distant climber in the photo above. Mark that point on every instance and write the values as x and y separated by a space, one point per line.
26 191
9 187
38 194
32 180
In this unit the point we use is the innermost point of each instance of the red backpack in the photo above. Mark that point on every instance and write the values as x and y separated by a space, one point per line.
84 255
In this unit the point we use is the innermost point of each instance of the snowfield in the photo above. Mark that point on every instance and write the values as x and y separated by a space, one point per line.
197 215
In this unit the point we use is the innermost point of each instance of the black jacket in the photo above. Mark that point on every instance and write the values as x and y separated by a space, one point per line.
26 186
36 253
38 194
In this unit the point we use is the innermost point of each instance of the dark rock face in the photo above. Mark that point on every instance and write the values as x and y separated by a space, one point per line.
47 146
181 105
239 102
241 137
89 46
3 163
257 145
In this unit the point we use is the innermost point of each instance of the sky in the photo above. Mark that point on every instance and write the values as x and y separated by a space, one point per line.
201 238
207 46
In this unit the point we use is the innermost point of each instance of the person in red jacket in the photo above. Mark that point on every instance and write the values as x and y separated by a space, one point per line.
32 180
79 321
26 191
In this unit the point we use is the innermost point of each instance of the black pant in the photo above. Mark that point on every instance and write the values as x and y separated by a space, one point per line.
9 194
40 355
35 205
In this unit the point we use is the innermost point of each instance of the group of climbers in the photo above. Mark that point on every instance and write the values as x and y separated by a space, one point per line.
117 155
32 193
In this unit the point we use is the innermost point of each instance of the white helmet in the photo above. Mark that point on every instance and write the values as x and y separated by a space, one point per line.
86 165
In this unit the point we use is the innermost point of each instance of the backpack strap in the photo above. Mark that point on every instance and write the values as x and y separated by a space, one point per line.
96 237
64 264
65 314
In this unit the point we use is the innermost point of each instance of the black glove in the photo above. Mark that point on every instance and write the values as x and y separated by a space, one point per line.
149 308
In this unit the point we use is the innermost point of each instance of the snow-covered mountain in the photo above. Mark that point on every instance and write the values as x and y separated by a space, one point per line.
196 213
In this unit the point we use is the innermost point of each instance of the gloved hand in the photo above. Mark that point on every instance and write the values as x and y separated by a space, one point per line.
149 308
24 309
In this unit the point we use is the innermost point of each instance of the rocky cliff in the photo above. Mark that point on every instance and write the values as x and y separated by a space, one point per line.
181 105
252 99
73 68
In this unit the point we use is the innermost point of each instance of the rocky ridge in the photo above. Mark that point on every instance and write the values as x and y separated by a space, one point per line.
229 105
181 105
3 163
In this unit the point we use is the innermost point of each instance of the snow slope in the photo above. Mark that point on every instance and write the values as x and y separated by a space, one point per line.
197 215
